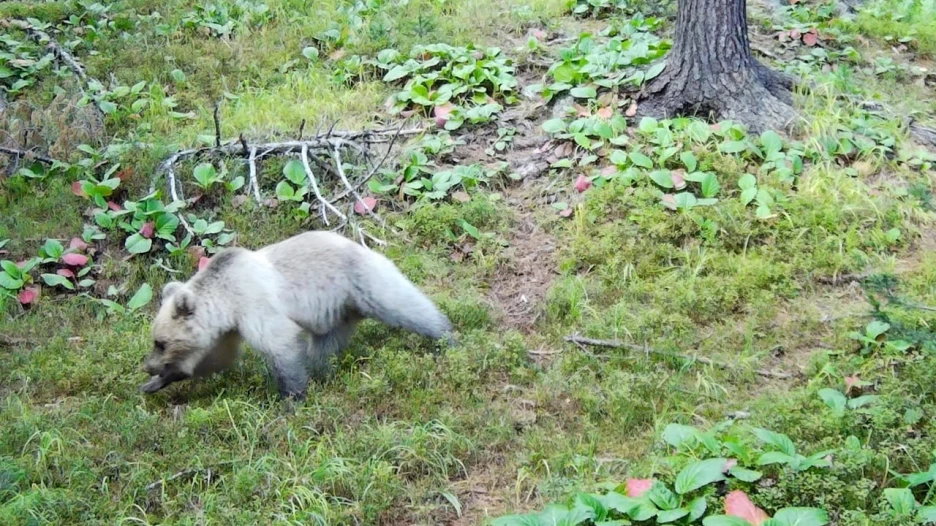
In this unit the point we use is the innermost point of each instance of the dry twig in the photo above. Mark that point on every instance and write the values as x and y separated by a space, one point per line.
616 344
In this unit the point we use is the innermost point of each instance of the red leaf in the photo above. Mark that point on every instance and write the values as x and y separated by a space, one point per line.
850 382
678 180
606 112
538 34
795 34
197 252
113 206
77 190
442 113
124 174
715 127
730 463
582 183
65 273
566 212
737 504
148 229
75 260
582 111
609 170
202 263
77 244
637 487
365 205
811 38
28 295
669 201
22 263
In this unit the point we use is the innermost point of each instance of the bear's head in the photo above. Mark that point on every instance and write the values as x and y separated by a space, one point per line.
181 339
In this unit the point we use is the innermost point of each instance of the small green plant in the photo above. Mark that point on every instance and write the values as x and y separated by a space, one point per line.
784 453
222 19
140 299
902 506
295 187
20 64
839 403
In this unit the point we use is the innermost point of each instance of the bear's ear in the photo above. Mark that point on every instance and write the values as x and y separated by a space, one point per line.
169 289
184 302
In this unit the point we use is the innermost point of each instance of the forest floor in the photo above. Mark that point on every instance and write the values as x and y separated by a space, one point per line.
612 280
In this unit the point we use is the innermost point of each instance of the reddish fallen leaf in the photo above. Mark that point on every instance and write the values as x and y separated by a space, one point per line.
850 382
336 54
78 244
22 263
75 260
457 256
715 127
582 183
582 111
782 36
65 273
77 190
478 55
606 112
737 504
567 212
197 252
538 34
113 206
631 110
364 205
730 463
811 38
28 295
679 182
238 200
272 203
148 229
202 263
795 34
407 113
461 197
125 174
669 201
442 113
637 487
609 170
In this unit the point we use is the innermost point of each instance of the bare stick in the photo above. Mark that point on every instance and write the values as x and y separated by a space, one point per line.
301 128
375 169
315 188
26 154
217 123
58 51
357 196
616 344
188 473
254 185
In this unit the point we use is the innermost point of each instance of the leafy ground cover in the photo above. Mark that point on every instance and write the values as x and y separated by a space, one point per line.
662 322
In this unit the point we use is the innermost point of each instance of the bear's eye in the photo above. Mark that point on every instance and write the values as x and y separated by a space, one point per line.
160 346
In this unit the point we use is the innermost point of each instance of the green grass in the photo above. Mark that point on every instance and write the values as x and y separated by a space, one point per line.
516 417
899 19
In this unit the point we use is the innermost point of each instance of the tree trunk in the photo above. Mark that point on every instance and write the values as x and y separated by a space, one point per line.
710 71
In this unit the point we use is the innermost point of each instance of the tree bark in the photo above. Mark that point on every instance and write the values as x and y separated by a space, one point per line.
711 73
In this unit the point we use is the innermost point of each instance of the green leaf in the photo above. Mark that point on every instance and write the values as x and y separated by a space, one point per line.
699 474
640 160
927 514
584 92
697 508
671 515
775 457
862 401
663 178
107 107
11 268
747 475
554 126
295 172
662 496
204 172
699 131
54 280
747 181
771 142
876 328
748 195
142 297
802 516
396 73
835 399
689 160
528 519
177 75
311 53
648 125
10 283
618 158
620 503
137 244
710 186
678 435
655 70
733 146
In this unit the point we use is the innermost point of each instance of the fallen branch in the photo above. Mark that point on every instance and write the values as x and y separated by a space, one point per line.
11 341
315 188
27 154
59 52
616 344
